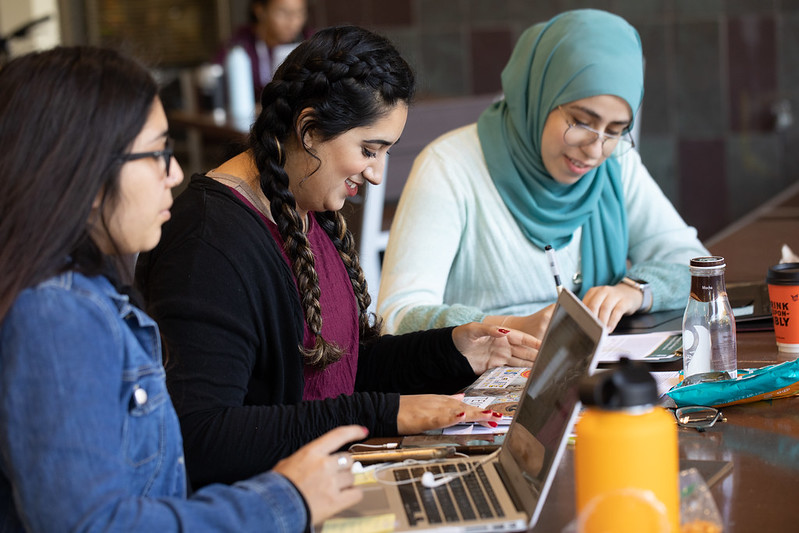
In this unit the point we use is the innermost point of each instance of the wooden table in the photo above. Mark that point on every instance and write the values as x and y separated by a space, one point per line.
752 244
761 439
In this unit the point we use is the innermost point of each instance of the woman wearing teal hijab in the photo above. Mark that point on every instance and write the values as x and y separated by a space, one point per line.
550 164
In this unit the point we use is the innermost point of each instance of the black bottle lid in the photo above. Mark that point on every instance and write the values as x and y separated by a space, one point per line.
628 385
783 274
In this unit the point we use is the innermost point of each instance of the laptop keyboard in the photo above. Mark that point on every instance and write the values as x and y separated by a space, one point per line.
466 497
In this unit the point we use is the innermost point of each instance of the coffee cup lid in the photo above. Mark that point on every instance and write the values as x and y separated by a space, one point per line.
783 274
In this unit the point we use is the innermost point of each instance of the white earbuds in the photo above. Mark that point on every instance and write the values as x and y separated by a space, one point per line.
430 481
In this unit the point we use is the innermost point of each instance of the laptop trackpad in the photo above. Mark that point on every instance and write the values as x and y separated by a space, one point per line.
374 502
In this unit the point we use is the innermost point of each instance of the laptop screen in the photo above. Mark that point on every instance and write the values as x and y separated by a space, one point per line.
531 452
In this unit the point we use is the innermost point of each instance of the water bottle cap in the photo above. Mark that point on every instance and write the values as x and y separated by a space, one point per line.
628 385
713 261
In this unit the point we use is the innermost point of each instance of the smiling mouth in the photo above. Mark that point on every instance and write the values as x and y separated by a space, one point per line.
577 164
351 184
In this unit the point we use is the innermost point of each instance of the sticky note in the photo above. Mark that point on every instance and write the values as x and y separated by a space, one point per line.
383 523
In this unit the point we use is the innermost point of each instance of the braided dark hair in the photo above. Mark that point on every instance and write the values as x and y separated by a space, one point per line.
348 77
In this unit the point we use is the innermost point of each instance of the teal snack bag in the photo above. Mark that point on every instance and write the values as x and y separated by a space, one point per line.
754 384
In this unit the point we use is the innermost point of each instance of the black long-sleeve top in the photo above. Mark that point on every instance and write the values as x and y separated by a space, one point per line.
231 320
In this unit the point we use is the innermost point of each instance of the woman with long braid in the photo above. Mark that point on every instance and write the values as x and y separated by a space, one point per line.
258 291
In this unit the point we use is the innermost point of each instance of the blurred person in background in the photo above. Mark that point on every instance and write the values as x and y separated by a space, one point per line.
275 28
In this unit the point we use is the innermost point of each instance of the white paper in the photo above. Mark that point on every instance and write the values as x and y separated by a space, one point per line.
474 429
635 346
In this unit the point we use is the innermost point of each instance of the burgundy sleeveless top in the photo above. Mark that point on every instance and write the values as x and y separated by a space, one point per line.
339 312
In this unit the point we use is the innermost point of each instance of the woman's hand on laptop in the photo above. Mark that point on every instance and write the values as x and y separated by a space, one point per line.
535 324
486 346
422 412
324 478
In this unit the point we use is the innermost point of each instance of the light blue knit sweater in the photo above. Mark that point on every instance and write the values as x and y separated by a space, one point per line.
455 253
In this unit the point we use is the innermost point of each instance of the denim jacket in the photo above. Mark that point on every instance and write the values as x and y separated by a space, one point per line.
89 439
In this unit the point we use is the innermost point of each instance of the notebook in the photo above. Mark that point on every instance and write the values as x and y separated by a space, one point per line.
751 305
508 487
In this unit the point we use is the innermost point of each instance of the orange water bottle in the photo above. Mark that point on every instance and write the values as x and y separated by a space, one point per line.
625 457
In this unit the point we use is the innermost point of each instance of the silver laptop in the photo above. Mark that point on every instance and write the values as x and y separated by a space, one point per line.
506 490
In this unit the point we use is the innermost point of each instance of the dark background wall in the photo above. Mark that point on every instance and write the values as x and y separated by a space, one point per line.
720 118
722 82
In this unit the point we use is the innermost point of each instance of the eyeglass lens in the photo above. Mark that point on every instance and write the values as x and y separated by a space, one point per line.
167 153
697 417
579 135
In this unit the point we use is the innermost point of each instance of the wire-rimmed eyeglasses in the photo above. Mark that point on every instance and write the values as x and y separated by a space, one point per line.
579 135
166 154
699 417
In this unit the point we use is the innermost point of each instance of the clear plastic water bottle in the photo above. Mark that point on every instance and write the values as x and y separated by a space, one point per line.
708 326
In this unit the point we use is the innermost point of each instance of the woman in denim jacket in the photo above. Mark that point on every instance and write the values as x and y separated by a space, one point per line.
89 439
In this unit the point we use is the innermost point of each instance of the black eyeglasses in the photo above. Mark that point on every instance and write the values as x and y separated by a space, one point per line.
166 154
698 417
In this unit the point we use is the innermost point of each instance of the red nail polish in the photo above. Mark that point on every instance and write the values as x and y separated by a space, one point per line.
503 330
461 414
487 412
492 423
498 415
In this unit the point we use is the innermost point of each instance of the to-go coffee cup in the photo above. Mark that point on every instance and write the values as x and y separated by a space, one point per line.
783 291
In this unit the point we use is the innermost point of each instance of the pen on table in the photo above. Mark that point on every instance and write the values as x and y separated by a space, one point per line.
420 454
553 266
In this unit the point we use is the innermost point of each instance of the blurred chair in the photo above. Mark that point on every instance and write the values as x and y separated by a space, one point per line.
373 238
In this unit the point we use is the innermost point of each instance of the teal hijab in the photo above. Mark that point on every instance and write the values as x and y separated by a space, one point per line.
577 54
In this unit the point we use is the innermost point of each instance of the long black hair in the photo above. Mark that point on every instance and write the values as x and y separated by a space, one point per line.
65 116
348 77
